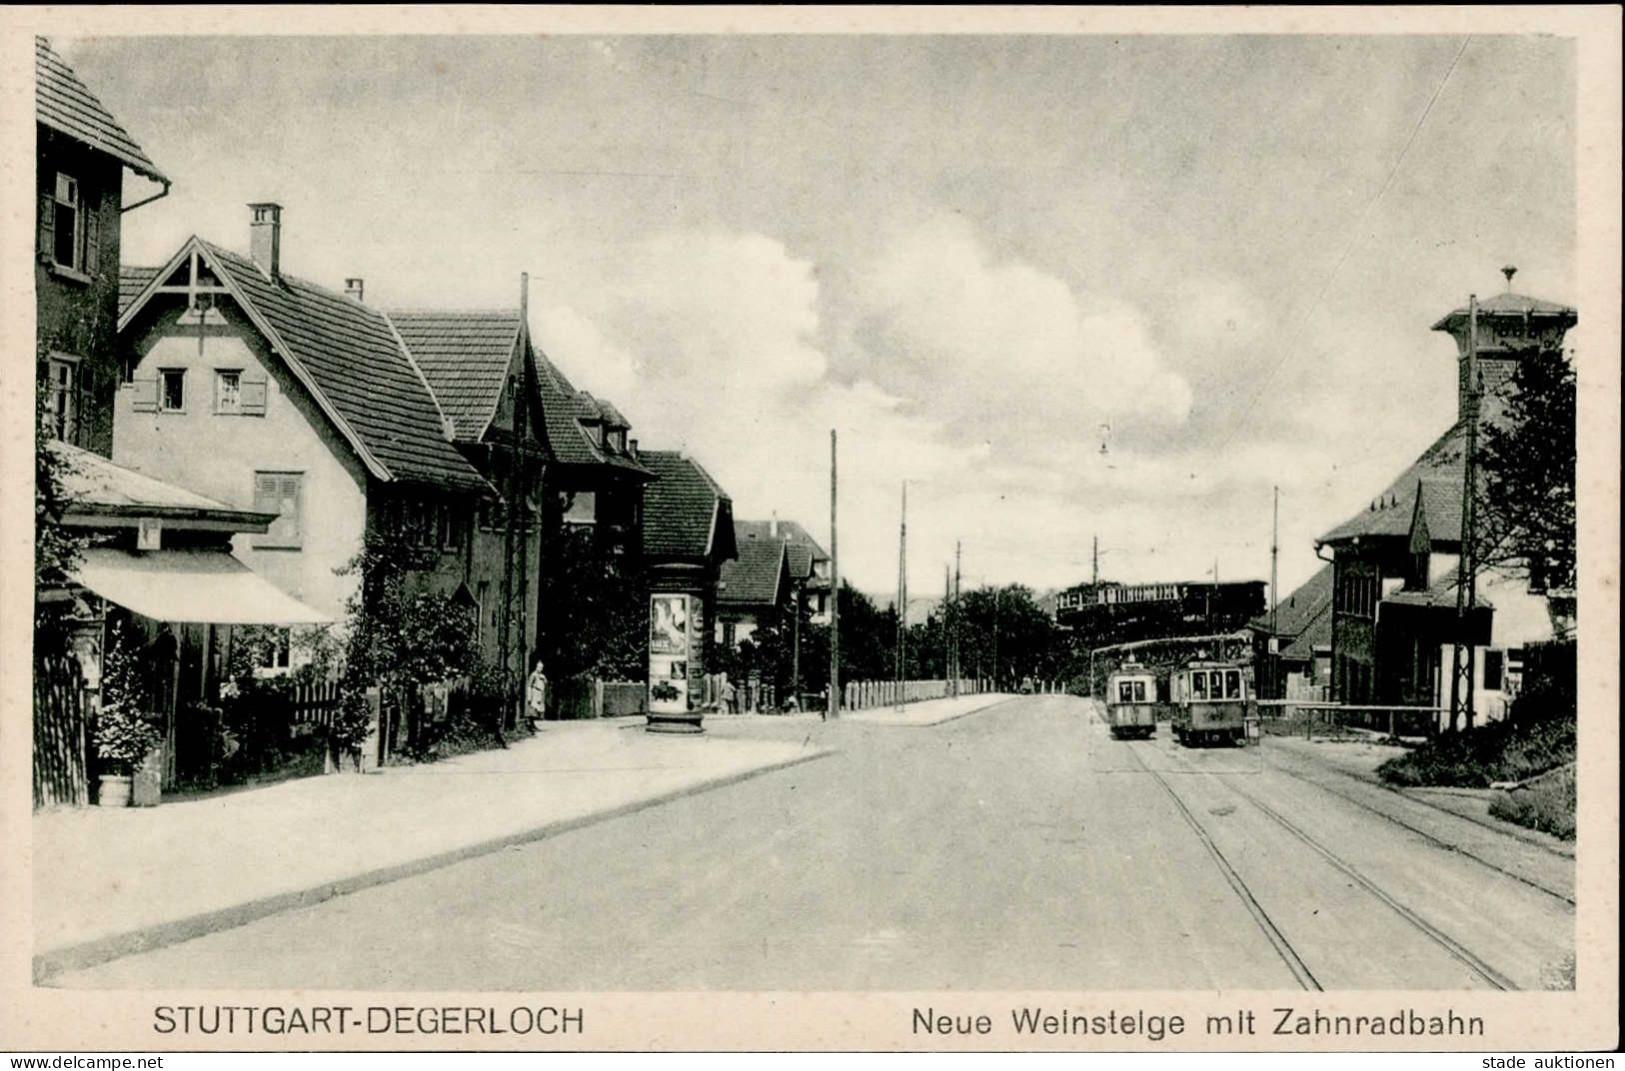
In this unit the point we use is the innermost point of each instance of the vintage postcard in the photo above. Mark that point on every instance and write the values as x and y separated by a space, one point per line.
915 529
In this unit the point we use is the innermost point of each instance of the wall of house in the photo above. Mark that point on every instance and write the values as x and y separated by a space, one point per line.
77 309
218 454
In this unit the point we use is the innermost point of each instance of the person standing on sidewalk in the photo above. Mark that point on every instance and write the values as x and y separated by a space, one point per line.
536 694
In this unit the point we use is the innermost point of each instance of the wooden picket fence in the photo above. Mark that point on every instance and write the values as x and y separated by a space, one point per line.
61 734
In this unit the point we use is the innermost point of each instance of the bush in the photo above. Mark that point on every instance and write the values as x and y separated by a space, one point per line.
1546 805
1498 751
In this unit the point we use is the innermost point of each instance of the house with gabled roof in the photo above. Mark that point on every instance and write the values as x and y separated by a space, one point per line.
688 539
755 587
1394 619
274 394
596 472
481 368
1292 645
808 563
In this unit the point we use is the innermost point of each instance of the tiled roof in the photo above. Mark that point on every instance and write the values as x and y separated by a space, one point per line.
804 548
1317 632
563 409
62 102
351 352
1508 304
93 484
465 357
683 509
753 578
1294 613
131 281
1390 513
1441 506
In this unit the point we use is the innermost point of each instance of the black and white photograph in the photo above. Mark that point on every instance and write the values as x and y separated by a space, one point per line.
550 510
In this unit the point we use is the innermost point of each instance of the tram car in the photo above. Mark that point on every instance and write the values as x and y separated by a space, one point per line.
1131 701
1209 701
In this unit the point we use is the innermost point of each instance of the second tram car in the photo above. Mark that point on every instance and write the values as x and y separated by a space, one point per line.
1209 702
1131 701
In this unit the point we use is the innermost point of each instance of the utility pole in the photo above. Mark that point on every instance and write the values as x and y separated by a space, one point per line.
832 710
1463 654
947 645
955 619
1094 573
1275 598
902 600
996 594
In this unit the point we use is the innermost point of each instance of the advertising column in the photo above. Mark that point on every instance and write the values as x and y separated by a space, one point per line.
675 673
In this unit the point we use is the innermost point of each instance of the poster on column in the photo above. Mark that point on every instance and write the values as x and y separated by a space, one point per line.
668 653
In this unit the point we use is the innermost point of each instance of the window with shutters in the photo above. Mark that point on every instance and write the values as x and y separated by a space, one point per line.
62 396
228 391
279 493
67 223
172 390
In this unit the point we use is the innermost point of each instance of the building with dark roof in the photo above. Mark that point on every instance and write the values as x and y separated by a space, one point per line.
808 562
269 392
1393 620
754 588
596 465
81 156
1296 661
481 369
688 539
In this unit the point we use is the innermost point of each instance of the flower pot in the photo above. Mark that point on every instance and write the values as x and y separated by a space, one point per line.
112 790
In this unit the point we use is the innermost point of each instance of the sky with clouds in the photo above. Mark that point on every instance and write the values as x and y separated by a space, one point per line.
1064 286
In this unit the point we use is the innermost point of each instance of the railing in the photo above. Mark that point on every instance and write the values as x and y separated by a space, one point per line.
1329 718
866 695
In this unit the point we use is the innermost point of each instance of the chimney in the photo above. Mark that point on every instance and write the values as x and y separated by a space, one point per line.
265 237
354 288
632 448
773 526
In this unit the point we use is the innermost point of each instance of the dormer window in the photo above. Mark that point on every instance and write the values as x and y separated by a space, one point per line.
596 431
617 440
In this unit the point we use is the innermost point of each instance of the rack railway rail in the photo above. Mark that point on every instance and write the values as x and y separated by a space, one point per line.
1289 954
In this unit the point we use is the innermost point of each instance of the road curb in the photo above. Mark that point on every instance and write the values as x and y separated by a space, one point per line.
148 938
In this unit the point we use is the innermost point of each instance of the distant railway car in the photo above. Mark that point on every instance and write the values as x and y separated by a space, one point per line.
1209 701
1131 701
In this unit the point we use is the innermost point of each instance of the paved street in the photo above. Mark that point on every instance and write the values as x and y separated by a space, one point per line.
1016 848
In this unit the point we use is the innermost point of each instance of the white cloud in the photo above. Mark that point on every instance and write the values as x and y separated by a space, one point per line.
1004 348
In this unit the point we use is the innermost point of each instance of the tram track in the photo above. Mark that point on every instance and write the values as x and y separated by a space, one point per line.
1272 933
1455 949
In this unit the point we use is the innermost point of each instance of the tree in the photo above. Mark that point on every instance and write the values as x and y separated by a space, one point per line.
398 636
595 618
1527 457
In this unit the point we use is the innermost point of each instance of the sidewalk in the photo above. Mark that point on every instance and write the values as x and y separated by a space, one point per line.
926 711
108 882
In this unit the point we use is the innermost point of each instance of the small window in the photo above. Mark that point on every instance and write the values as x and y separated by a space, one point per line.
172 390
1232 684
279 493
1494 670
1139 691
1216 684
228 392
62 397
67 226
273 654
1125 691
1198 685
451 527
